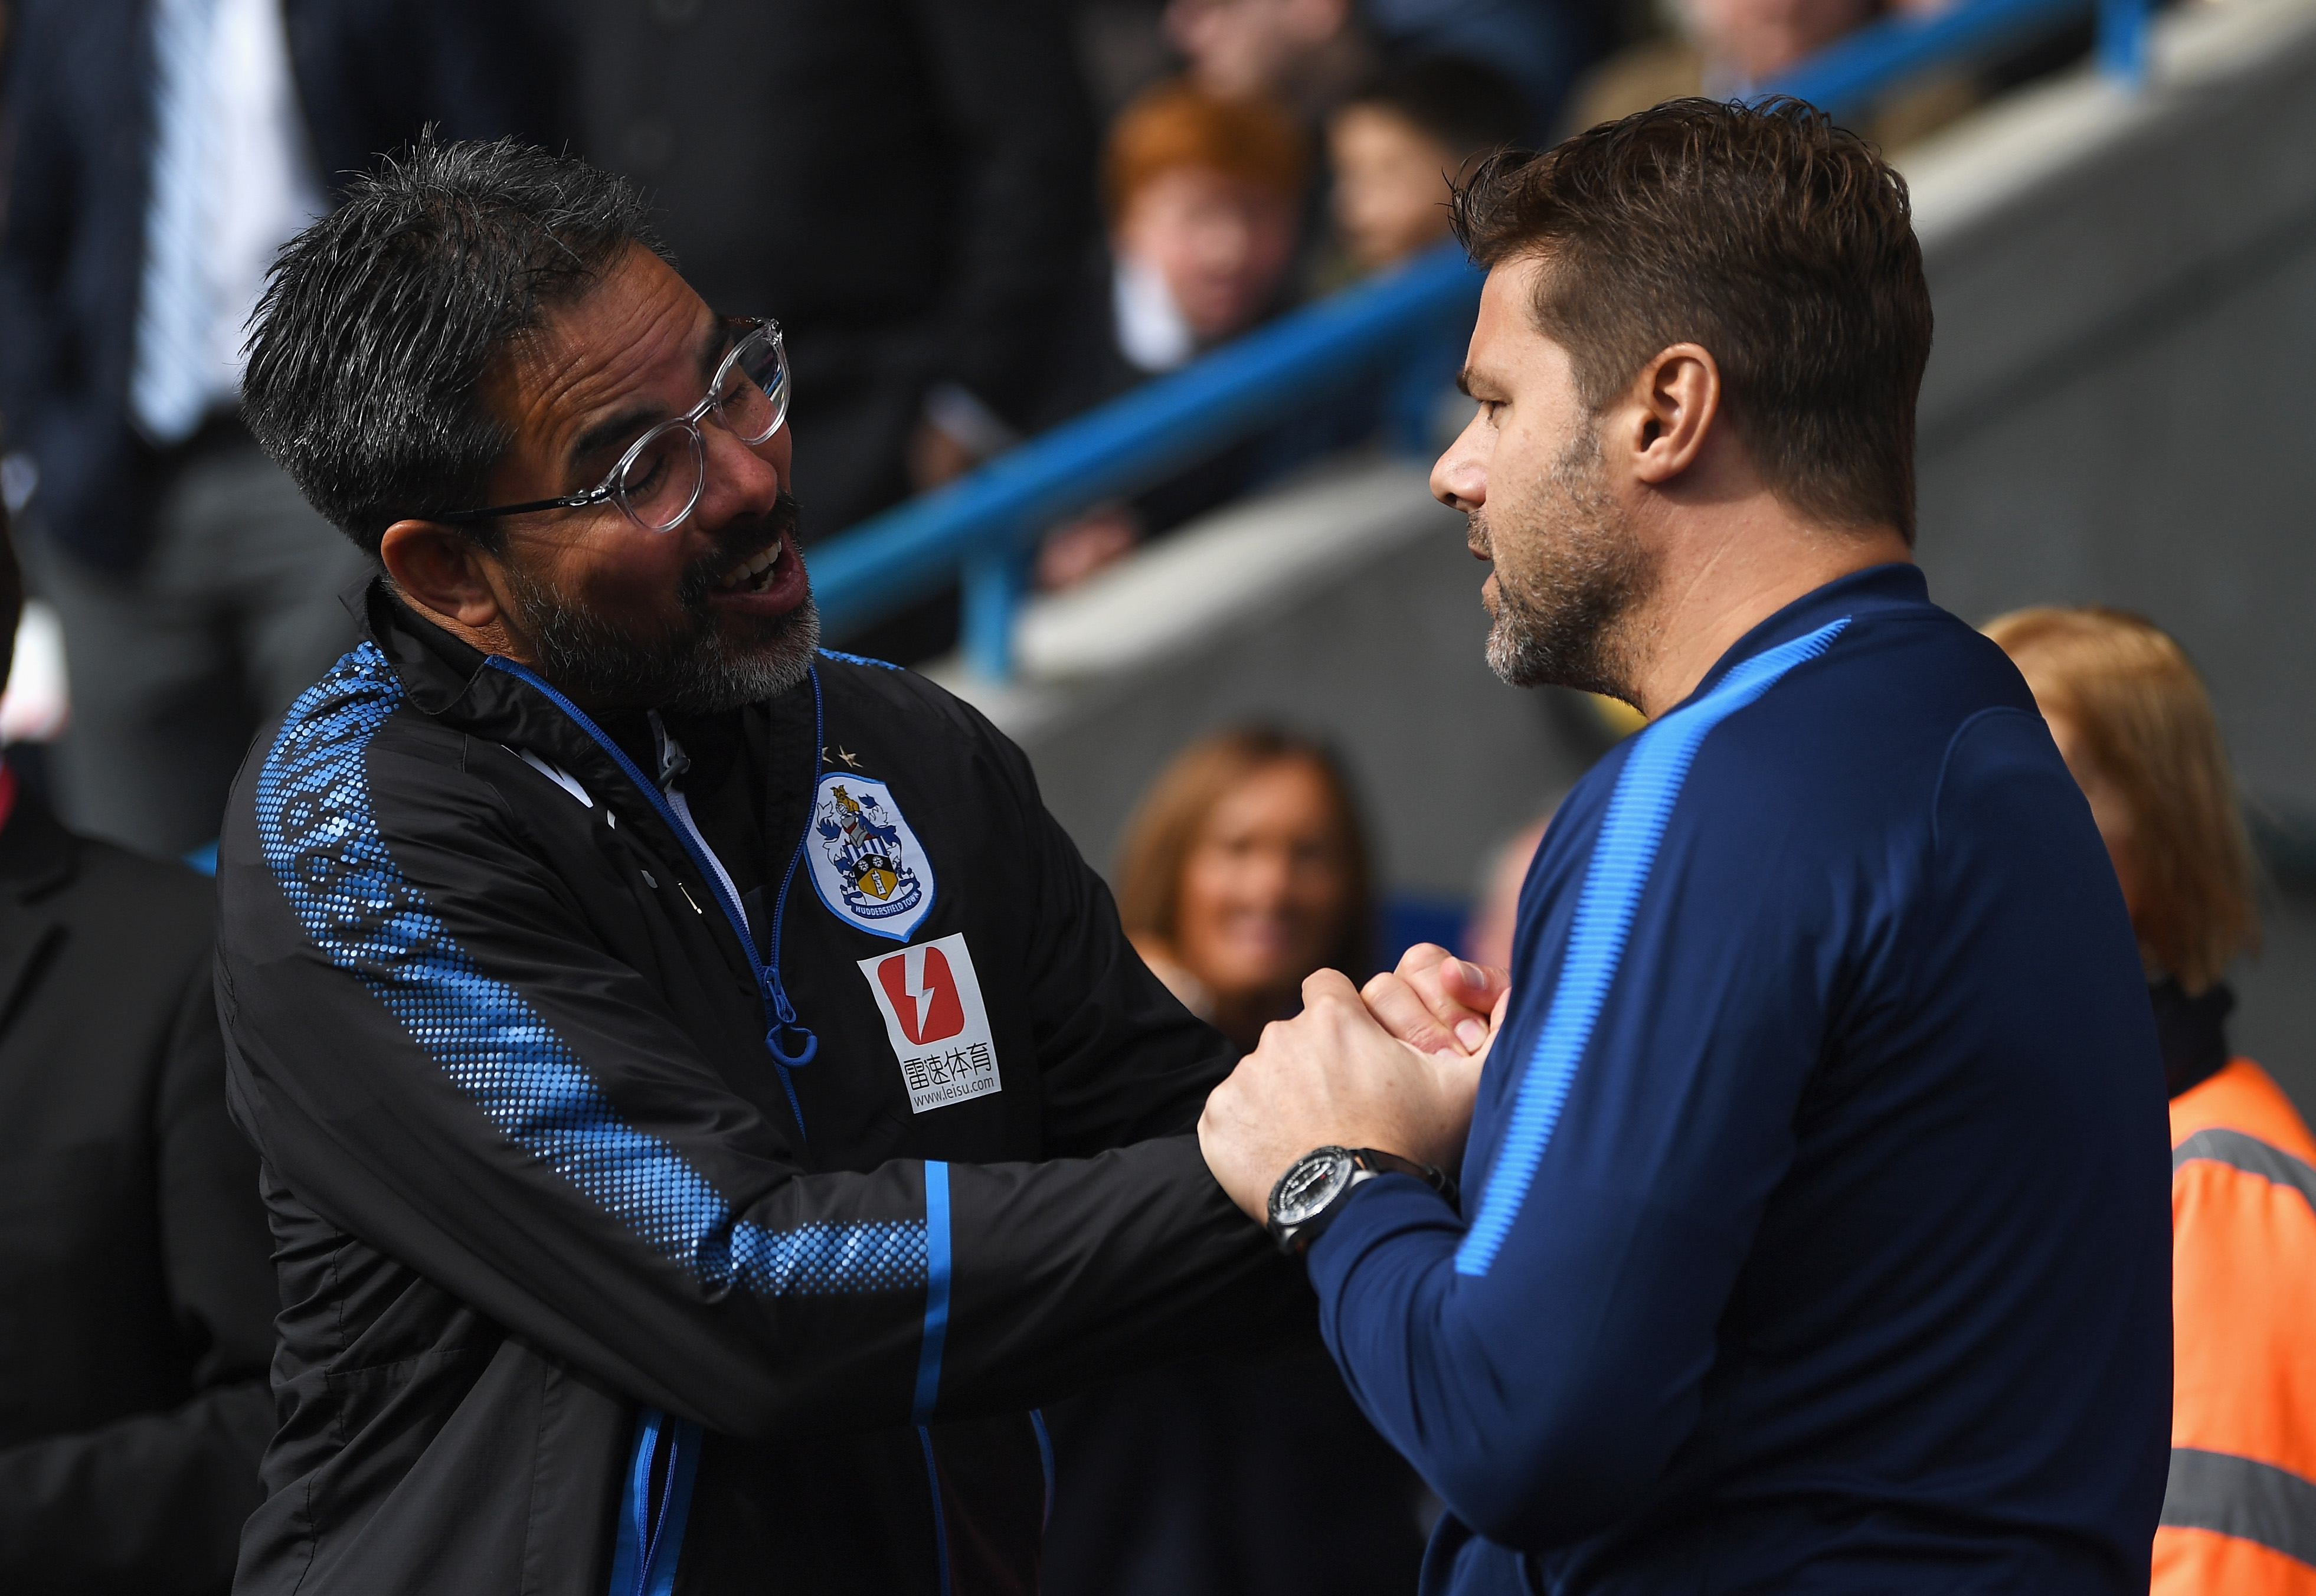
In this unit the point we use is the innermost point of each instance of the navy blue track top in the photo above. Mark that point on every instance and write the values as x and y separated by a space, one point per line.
1817 1228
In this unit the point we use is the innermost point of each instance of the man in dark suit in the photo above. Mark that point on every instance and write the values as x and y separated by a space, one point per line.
162 150
906 183
137 1293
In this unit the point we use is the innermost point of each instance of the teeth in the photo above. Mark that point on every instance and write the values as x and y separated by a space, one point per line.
751 574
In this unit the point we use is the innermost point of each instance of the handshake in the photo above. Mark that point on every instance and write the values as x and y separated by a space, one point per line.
1394 1065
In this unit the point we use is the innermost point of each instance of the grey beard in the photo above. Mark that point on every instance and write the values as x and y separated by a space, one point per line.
1579 573
691 667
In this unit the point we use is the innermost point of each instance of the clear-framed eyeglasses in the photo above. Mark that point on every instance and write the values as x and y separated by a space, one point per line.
660 478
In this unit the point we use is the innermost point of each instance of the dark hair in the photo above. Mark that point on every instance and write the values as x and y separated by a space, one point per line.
1778 241
1465 106
381 321
1166 823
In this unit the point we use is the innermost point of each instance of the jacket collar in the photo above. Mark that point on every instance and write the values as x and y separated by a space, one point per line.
2193 1032
37 854
450 681
37 857
1895 586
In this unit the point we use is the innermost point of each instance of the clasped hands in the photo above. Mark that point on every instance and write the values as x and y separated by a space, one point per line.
1394 1065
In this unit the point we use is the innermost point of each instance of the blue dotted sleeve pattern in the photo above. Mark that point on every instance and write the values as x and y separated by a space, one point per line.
321 840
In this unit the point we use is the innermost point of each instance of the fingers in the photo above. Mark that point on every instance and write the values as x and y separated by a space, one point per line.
1401 1009
1476 986
1457 996
1422 955
1328 986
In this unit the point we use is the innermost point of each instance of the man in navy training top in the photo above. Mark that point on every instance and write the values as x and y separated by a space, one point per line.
1812 1233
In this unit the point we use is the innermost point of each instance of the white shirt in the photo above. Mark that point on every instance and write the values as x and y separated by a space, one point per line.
1151 331
258 186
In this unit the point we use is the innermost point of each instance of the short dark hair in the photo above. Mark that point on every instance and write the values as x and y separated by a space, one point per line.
1777 241
380 322
1467 106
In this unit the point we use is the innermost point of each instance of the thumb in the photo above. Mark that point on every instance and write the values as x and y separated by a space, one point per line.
1481 984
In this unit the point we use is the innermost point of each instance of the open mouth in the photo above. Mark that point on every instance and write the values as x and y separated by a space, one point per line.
753 575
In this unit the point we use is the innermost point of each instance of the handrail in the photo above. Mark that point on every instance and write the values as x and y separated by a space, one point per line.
982 526
985 521
1847 74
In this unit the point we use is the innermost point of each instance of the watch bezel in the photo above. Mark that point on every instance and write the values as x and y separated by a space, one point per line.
1308 1201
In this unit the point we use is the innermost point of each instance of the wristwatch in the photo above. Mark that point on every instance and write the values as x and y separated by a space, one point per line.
1312 1191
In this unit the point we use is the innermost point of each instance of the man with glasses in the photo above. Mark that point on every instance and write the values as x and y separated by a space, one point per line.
705 1101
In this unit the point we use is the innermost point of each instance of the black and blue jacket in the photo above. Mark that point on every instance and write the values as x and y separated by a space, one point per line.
693 1146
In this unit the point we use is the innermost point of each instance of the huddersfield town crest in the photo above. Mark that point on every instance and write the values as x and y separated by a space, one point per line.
865 862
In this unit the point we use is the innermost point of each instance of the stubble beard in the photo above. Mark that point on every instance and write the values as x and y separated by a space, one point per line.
1565 601
697 662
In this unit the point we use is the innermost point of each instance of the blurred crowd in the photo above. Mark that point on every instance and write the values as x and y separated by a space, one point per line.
971 222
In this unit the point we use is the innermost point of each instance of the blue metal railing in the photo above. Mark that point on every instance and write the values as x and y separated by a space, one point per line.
984 523
1394 329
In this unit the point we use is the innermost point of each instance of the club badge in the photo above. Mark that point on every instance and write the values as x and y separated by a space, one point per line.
865 862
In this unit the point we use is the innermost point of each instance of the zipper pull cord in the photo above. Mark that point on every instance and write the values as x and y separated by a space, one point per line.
783 1011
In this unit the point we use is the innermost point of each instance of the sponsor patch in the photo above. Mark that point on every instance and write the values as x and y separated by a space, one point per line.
932 1003
865 862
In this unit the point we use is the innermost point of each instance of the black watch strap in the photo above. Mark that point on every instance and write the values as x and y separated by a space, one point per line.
1330 1176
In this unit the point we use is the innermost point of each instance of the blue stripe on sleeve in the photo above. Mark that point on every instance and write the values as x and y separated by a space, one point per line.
929 1356
321 840
1623 855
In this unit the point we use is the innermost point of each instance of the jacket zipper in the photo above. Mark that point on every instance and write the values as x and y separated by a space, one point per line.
779 1014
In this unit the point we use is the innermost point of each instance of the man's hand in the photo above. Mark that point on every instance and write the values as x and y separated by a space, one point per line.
1333 1077
1435 1002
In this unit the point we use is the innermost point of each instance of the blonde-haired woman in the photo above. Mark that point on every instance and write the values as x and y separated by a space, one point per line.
2136 727
1243 871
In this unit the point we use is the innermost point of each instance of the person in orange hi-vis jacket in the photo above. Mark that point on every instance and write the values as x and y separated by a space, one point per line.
2132 720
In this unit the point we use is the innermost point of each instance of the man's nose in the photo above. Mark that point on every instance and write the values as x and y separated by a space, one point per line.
1459 478
740 481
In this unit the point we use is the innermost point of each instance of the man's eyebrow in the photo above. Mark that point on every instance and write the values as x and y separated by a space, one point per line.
623 427
723 331
627 425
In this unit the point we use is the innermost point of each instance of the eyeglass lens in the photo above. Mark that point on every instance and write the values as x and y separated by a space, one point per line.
662 481
753 399
665 477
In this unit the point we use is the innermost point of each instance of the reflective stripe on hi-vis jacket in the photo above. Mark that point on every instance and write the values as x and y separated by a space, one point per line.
2240 1509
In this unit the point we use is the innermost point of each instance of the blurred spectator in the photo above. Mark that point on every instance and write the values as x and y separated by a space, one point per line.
1204 196
1395 146
1243 871
1727 50
903 183
1313 54
161 150
2136 727
1487 934
1307 54
137 1293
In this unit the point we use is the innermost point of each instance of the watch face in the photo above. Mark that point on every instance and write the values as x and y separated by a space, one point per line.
1312 1182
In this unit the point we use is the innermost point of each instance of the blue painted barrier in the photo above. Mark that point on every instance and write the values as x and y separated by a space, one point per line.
983 522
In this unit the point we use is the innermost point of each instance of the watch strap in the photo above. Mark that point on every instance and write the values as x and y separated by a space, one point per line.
1366 1164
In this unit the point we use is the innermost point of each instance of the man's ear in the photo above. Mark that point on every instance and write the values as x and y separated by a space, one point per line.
1670 411
440 569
